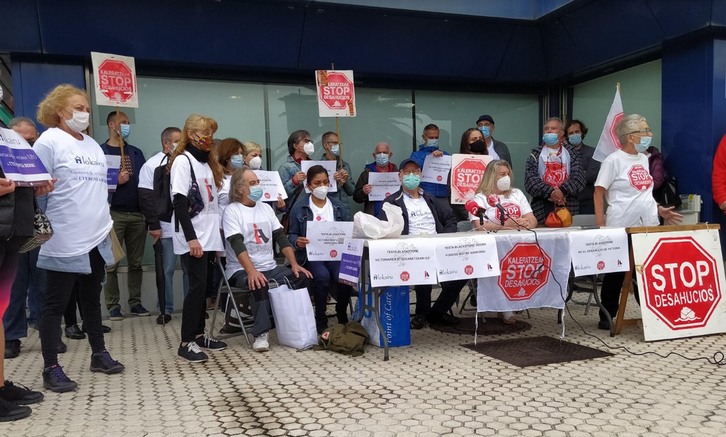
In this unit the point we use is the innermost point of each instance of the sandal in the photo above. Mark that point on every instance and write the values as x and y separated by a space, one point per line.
508 317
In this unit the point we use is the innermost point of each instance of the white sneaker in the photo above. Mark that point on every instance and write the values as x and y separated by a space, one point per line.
261 344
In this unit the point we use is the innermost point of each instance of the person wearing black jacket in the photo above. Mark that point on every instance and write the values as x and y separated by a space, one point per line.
576 132
424 215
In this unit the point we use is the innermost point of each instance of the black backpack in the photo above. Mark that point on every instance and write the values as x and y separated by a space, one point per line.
667 194
162 191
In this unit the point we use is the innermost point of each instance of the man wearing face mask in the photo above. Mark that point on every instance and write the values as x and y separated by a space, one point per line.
424 215
496 149
430 146
300 148
128 221
331 145
576 132
553 173
381 164
157 229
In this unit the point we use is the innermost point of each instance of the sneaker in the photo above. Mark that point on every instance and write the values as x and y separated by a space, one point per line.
163 319
192 353
208 343
10 412
54 379
442 318
102 362
12 348
74 333
19 394
140 311
115 314
418 322
62 348
261 344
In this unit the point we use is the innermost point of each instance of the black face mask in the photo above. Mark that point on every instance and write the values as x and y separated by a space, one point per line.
478 146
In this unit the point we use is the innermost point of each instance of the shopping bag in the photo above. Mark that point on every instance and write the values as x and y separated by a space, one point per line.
294 317
367 226
395 318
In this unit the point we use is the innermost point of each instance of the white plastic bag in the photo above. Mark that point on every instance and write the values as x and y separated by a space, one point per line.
294 317
367 226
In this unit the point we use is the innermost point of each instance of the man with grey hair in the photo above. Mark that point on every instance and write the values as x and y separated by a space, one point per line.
553 173
26 128
381 164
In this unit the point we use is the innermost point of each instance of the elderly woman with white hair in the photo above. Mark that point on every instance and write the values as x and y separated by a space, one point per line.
625 182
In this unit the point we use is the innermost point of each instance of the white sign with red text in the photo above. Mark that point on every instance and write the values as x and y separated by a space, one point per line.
436 169
330 167
599 251
466 256
680 278
406 261
115 80
382 185
336 93
271 184
327 239
466 174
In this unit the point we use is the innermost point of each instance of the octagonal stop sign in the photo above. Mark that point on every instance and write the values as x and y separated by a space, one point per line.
525 269
116 80
681 284
466 176
337 91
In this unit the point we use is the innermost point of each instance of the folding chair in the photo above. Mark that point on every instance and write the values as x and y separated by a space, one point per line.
245 325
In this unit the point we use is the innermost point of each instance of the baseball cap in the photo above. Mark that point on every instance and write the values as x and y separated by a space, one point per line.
485 117
406 161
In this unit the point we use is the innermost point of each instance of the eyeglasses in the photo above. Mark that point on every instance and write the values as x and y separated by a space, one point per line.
406 173
644 131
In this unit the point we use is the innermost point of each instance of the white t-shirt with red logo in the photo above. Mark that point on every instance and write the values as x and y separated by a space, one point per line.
554 166
255 224
516 206
324 214
629 190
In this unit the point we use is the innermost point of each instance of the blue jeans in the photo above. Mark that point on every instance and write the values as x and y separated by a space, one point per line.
169 261
29 285
325 280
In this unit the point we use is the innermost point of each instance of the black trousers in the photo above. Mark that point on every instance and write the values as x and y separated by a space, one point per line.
200 273
449 293
59 289
612 284
69 315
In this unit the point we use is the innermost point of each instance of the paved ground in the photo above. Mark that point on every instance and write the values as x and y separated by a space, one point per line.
435 387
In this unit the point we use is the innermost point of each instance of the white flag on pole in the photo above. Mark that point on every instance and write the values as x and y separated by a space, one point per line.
608 142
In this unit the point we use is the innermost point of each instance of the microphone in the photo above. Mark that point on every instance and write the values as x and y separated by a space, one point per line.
493 200
473 208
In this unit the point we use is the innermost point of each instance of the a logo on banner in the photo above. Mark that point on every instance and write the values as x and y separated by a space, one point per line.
613 137
333 253
681 285
466 176
639 177
405 276
601 265
525 270
116 80
469 270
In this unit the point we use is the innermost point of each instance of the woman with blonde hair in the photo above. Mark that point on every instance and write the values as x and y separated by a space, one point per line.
497 181
80 249
196 175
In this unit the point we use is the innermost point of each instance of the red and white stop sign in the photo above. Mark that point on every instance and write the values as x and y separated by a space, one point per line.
525 269
681 283
466 176
116 80
640 178
337 92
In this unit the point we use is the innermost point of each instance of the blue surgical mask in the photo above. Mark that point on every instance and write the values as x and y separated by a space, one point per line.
432 142
485 131
236 161
550 139
125 130
575 139
255 193
411 181
335 149
644 144
382 159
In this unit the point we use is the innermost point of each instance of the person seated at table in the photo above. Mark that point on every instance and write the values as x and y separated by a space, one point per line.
319 207
251 228
424 215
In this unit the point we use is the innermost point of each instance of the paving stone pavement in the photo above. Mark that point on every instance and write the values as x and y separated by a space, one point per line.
433 388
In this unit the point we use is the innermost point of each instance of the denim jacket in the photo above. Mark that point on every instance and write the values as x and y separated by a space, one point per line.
300 216
80 263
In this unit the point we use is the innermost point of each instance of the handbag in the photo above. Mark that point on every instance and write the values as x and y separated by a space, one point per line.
116 249
194 197
294 317
42 231
559 218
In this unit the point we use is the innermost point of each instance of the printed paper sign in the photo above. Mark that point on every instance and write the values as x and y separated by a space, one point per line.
384 184
336 93
115 80
19 162
680 275
599 251
408 261
271 184
436 169
327 240
466 174
113 165
466 257
329 166
350 261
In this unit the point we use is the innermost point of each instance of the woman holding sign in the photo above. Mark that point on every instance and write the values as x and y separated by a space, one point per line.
627 185
319 207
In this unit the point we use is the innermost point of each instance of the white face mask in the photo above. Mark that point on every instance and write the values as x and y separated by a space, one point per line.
79 121
1 92
320 192
504 183
256 163
309 148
